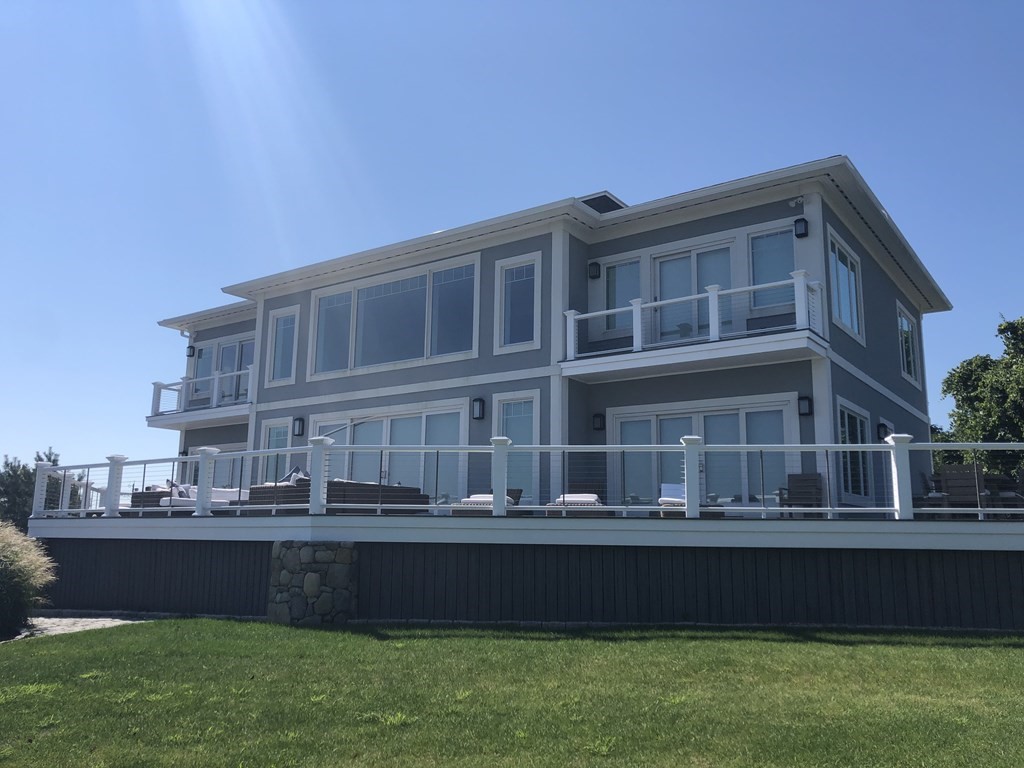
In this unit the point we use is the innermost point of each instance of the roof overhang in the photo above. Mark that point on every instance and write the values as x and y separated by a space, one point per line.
237 312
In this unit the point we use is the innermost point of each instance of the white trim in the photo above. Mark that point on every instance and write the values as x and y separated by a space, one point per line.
560 248
861 335
265 428
915 328
842 404
853 370
497 401
821 388
257 379
314 327
459 404
500 266
406 389
630 531
272 318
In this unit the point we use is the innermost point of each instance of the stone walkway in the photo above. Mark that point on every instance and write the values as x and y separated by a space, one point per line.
40 626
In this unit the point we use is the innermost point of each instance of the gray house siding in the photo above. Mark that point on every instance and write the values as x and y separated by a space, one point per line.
697 228
486 361
878 405
880 359
220 331
226 435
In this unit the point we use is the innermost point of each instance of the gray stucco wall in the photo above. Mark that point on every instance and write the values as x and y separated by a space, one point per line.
485 363
880 358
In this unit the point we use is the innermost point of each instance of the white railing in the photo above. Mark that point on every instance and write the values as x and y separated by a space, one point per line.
204 392
714 315
892 480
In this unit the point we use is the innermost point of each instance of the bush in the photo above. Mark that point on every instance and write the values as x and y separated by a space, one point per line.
25 570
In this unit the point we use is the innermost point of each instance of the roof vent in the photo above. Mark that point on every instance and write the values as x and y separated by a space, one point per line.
603 202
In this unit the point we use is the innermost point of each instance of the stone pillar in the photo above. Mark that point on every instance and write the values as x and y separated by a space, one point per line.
313 582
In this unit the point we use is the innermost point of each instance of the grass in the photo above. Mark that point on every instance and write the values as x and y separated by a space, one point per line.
202 692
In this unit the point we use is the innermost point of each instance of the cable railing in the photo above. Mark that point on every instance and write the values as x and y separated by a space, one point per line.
213 391
896 480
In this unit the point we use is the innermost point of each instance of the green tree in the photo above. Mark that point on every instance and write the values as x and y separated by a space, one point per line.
988 393
17 485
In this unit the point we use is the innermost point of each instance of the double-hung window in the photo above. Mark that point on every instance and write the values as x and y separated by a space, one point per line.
517 304
283 326
846 289
906 327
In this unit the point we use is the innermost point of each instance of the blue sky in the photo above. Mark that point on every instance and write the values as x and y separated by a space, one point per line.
151 153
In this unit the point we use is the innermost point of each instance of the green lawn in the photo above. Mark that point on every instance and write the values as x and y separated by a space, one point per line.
202 692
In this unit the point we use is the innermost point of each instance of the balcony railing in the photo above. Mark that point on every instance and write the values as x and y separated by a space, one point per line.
190 394
715 315
893 480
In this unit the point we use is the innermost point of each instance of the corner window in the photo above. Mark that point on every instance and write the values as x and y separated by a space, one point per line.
281 355
846 289
517 304
906 327
622 284
771 261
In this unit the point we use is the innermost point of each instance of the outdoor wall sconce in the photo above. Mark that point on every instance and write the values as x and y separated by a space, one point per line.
883 431
593 270
800 227
805 406
190 351
477 408
298 426
598 422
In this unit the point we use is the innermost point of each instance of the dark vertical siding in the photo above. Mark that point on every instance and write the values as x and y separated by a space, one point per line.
230 578
554 583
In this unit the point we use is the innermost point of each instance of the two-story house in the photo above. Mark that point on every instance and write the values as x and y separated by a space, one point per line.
783 308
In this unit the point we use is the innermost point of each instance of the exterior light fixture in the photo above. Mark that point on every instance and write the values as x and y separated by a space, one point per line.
593 270
190 351
805 406
298 426
597 421
883 431
477 408
800 227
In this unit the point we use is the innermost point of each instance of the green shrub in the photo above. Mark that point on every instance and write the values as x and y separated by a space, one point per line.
25 570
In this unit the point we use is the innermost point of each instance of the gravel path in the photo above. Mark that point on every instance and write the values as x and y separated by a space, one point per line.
40 626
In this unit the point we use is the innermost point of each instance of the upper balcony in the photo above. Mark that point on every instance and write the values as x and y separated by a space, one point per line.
209 401
767 323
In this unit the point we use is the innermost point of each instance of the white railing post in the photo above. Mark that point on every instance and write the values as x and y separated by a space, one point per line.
215 394
691 474
814 307
318 474
112 502
248 385
800 297
714 317
499 473
65 492
204 485
39 494
570 334
185 393
638 327
158 388
902 491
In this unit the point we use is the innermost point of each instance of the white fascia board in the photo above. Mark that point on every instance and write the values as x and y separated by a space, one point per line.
228 313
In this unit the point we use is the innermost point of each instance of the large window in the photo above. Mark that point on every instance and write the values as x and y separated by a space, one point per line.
907 329
854 465
771 261
846 289
276 435
283 324
517 304
412 318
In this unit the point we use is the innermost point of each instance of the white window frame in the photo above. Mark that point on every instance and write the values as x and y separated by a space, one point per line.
859 335
272 319
842 404
377 279
500 267
915 377
765 309
499 399
265 428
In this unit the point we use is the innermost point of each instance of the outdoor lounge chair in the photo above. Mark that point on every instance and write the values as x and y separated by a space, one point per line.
578 505
803 490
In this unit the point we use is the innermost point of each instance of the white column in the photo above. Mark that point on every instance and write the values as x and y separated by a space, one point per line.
215 393
318 474
570 334
903 493
714 315
158 387
205 482
112 501
66 485
800 291
638 328
249 384
691 464
499 473
39 495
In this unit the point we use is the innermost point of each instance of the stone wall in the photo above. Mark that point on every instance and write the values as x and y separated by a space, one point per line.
313 582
